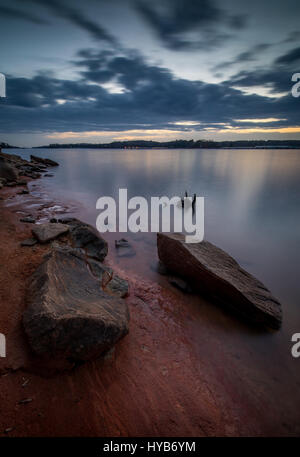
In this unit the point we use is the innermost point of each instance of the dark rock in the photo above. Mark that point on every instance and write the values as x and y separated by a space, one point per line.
48 175
210 270
23 192
109 282
7 171
48 232
68 316
29 242
180 284
124 249
47 162
85 236
28 220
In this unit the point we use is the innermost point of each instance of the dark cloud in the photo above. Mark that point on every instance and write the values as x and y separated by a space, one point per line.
276 77
175 20
152 98
77 17
14 13
291 57
247 56
292 37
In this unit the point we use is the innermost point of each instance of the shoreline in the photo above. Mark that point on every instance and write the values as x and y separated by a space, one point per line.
163 379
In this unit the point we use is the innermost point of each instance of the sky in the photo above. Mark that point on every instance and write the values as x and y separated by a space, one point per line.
107 70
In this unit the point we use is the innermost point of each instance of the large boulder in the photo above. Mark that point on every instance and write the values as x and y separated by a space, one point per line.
210 270
69 317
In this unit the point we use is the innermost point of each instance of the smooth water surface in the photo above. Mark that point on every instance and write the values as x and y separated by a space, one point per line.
251 200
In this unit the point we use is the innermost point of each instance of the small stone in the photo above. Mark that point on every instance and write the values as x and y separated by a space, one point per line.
180 284
124 249
26 381
28 220
29 242
25 401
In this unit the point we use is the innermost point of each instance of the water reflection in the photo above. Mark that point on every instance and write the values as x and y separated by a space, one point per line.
251 198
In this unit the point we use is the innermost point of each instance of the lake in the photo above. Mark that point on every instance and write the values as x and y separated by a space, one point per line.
251 198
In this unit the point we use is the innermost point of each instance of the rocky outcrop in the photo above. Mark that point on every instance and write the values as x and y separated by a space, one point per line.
84 236
69 316
48 232
7 171
212 271
12 167
47 162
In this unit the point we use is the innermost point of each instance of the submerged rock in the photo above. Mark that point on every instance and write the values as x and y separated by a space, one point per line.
210 270
48 232
124 248
68 316
180 284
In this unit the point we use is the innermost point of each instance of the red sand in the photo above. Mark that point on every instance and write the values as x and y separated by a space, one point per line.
185 369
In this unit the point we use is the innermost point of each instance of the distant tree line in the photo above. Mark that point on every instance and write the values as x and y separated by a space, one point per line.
182 144
6 146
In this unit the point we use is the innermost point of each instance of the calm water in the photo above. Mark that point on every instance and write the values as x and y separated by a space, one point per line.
251 201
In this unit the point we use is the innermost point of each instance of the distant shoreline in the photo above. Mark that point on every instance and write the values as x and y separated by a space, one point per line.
176 144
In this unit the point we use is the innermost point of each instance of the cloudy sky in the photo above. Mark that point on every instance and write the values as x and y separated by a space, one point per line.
103 70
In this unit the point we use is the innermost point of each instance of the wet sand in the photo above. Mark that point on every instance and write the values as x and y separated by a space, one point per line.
186 368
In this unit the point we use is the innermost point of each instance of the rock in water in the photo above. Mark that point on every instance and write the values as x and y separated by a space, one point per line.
68 316
124 249
210 270
48 232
